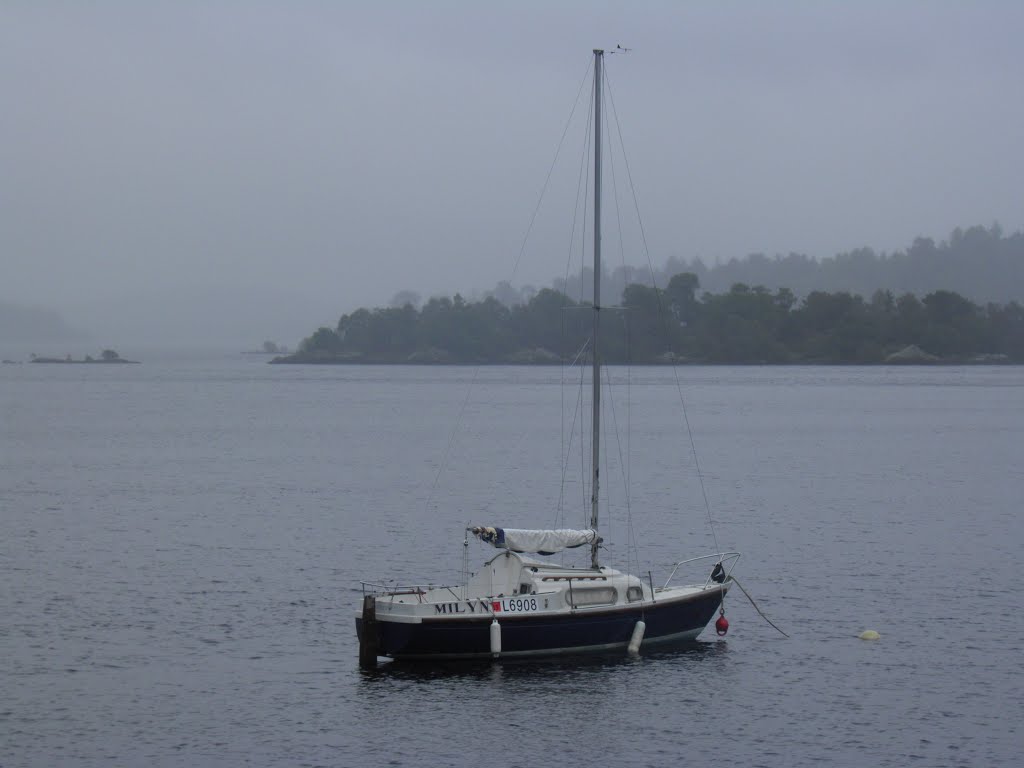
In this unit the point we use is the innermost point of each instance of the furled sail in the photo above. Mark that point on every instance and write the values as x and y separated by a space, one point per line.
540 542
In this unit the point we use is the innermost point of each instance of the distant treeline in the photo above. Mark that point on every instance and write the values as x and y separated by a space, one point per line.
980 263
744 325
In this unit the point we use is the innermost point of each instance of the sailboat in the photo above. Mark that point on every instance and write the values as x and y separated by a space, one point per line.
522 604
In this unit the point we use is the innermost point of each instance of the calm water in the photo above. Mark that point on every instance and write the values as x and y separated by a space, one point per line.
183 540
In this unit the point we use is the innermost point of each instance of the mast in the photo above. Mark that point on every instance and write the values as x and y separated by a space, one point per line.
596 372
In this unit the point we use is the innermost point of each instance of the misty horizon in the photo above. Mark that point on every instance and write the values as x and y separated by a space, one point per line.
181 174
983 264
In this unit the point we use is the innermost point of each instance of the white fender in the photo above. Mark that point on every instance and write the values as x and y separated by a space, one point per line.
637 638
495 638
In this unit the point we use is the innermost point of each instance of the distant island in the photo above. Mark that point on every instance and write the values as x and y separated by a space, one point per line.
788 309
746 325
107 357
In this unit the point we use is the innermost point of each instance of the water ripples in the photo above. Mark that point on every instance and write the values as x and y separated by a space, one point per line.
182 549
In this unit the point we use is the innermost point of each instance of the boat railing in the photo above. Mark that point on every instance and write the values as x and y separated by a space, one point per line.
727 560
392 590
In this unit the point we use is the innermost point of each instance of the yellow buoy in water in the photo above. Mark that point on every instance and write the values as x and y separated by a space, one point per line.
869 634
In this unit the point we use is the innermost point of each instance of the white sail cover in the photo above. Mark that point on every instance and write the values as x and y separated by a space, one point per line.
540 542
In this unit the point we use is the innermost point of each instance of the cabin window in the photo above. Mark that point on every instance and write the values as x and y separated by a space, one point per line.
524 589
582 597
634 593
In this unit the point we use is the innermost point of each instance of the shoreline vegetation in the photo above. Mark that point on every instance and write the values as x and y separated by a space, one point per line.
746 325
107 357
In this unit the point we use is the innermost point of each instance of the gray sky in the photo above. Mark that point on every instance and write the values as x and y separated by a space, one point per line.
184 172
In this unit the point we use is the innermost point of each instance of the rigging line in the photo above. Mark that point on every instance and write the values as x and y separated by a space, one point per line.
615 199
696 461
577 413
629 371
568 264
568 261
629 433
664 319
551 168
586 471
515 267
737 582
580 353
451 439
559 516
582 184
563 455
584 453
582 187
606 488
622 462
629 177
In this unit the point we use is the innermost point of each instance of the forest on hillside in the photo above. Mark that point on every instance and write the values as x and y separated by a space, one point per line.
789 309
744 325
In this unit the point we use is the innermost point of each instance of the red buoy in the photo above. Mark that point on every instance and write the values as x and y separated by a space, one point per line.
722 625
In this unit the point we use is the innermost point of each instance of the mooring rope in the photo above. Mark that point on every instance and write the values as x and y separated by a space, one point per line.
737 582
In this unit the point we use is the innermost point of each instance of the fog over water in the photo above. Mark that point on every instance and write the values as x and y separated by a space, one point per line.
184 173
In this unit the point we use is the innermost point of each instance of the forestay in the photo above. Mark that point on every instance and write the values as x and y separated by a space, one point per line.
540 542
